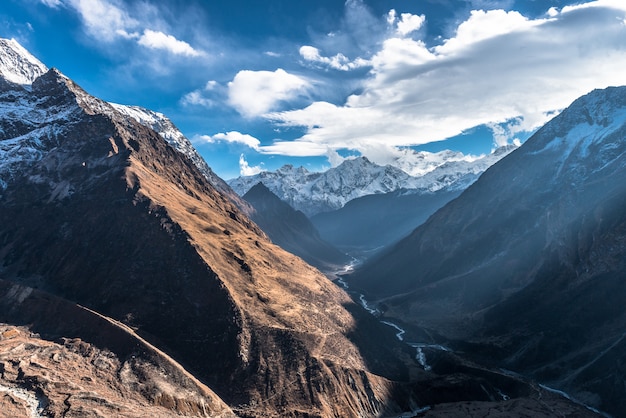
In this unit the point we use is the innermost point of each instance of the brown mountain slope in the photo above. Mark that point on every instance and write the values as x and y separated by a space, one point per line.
115 219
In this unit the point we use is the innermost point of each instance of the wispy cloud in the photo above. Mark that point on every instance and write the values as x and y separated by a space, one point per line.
500 69
111 20
337 62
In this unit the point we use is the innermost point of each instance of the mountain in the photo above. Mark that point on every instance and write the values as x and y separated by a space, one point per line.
368 224
314 193
131 286
525 269
163 126
292 230
99 210
17 65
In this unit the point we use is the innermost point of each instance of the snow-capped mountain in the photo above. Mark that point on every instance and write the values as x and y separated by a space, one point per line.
29 128
314 192
17 65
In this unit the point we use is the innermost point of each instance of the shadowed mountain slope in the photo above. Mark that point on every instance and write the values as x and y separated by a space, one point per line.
372 222
105 213
527 266
292 230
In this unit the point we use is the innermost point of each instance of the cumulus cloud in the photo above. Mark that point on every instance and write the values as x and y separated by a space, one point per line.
159 40
500 69
407 23
253 93
245 169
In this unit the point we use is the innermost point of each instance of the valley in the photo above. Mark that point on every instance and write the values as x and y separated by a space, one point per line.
134 281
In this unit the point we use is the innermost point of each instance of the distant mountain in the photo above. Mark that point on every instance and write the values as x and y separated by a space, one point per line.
292 230
526 268
367 224
314 193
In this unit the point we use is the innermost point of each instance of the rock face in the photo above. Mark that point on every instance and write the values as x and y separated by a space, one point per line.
292 230
527 266
168 131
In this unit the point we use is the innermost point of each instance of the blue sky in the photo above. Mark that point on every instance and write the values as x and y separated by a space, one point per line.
257 84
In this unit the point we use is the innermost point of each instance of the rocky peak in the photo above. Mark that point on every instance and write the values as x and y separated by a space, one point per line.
17 65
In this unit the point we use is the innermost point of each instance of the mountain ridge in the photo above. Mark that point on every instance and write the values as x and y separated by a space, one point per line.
524 269
318 192
292 230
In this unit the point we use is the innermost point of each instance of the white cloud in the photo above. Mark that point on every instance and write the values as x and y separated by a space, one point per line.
500 69
203 97
253 93
110 20
483 25
232 137
104 19
159 40
337 62
407 24
245 169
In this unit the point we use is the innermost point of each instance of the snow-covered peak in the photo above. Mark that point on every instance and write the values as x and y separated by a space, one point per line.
17 65
316 192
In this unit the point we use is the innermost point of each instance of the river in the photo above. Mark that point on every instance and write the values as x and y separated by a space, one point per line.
420 355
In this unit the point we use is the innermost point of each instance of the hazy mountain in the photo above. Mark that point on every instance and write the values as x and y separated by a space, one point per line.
369 223
292 230
157 296
314 193
527 266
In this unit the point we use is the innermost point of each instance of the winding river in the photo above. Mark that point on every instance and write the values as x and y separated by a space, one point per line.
419 347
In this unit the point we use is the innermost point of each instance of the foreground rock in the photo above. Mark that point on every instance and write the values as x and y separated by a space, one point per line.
72 378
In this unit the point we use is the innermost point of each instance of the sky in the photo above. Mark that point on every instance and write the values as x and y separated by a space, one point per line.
258 84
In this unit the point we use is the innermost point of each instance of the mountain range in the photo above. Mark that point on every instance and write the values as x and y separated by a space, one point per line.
525 269
132 285
314 192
